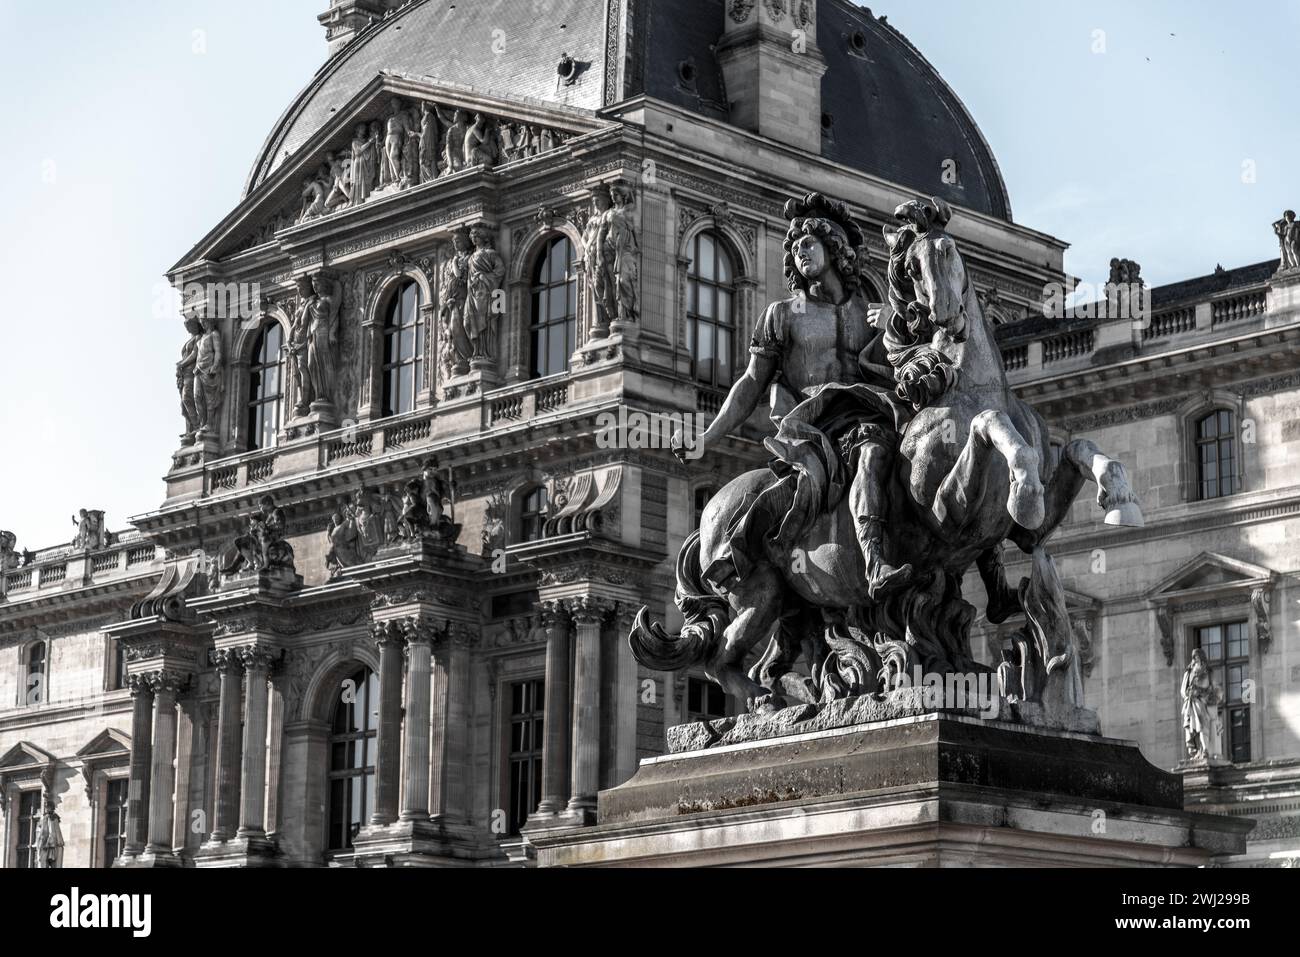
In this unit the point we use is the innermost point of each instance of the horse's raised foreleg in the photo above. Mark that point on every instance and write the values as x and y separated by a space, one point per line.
757 605
992 433
1083 462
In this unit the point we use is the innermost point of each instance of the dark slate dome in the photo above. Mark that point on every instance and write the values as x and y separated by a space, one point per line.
890 113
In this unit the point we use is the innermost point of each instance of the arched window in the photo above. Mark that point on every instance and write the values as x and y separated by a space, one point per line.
555 308
352 759
711 311
403 350
1216 455
36 687
532 515
266 387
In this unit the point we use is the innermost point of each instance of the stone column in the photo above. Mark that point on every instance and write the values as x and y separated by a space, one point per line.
419 671
225 820
252 812
588 616
162 776
555 749
137 806
388 745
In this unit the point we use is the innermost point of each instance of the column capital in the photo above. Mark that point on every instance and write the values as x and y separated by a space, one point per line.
255 658
555 614
388 634
167 682
589 609
140 685
228 660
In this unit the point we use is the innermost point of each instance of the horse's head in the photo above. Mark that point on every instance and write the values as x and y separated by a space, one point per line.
924 261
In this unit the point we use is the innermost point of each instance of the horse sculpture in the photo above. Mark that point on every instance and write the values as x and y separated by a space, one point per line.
972 471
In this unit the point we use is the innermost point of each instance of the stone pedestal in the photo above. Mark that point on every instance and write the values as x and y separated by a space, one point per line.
930 790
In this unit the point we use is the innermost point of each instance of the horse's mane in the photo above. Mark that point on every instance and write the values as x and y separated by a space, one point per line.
921 372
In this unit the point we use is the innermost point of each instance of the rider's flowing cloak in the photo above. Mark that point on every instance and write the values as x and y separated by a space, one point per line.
819 431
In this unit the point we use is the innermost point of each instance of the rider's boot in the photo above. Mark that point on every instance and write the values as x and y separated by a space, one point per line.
1003 600
883 579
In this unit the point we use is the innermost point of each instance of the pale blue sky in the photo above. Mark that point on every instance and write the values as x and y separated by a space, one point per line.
128 136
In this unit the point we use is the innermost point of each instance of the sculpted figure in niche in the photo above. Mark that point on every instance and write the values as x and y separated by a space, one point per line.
487 272
457 124
299 339
323 335
1288 235
478 143
429 136
340 193
365 145
623 249
370 525
262 547
399 127
342 534
185 376
597 266
511 140
316 191
389 506
209 377
456 347
1201 698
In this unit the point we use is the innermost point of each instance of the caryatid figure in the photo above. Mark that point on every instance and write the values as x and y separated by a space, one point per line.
457 350
209 377
299 338
429 134
596 266
623 248
323 336
185 376
487 273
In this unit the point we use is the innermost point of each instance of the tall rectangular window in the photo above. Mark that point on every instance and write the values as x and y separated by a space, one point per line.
1227 652
527 711
29 826
115 819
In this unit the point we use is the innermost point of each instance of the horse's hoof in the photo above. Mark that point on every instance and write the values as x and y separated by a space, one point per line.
1128 515
1026 505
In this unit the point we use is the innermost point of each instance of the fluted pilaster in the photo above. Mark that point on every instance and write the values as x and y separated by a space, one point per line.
257 672
162 777
555 748
137 802
589 615
225 820
388 745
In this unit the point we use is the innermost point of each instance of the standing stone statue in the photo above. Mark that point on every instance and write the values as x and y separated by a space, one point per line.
1201 727
398 128
299 339
487 273
323 336
457 124
342 535
596 265
185 377
209 378
49 840
456 348
429 136
363 168
1288 235
624 251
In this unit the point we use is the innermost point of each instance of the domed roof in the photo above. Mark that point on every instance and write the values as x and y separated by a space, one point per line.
890 114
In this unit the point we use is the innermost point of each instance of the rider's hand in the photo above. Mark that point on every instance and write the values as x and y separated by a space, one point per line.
679 447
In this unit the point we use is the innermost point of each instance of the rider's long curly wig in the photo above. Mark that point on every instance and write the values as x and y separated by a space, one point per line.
839 232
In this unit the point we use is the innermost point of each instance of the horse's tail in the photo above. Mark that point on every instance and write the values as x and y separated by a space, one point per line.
707 616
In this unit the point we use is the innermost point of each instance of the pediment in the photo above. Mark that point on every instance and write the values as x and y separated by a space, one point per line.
513 132
1209 573
25 756
110 743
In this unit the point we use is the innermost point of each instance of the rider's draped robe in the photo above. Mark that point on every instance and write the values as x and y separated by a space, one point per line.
819 430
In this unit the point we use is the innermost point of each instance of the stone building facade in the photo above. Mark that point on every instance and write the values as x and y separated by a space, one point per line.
433 359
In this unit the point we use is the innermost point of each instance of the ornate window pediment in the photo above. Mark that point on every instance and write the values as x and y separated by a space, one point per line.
1212 581
108 749
24 762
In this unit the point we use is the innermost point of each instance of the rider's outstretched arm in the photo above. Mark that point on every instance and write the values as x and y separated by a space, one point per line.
744 397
